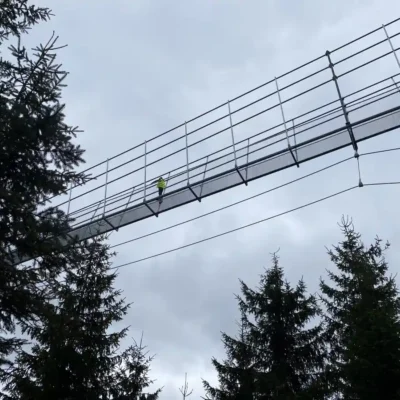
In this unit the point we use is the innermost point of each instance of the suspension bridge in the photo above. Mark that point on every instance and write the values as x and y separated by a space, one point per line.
345 96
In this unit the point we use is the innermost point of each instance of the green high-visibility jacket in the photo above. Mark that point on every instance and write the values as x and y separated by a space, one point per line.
161 184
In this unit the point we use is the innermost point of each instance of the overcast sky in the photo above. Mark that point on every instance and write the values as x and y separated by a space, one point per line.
138 68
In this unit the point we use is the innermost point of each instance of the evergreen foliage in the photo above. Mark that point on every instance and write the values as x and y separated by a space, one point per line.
131 375
66 303
237 374
284 358
64 300
37 161
75 355
362 316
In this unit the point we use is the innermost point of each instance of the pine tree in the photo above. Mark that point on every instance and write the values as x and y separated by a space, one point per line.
236 374
37 158
131 375
363 327
37 153
287 358
75 356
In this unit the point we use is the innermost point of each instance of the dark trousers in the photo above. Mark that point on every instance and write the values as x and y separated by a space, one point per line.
160 191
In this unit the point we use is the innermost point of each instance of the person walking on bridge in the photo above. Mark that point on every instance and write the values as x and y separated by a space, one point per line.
161 185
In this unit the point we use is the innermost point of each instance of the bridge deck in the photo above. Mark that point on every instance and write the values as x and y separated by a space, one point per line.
245 172
345 96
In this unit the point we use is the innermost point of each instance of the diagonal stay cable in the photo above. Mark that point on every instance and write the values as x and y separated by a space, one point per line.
237 229
254 223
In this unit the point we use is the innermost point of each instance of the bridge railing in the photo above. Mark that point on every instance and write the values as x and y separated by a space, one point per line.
342 86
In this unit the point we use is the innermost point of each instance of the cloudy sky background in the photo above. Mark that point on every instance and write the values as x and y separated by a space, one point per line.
138 68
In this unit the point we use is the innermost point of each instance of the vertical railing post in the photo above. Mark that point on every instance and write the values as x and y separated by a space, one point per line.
95 211
69 199
391 45
187 166
105 190
284 123
344 109
247 158
187 153
204 177
205 169
145 180
145 169
294 138
294 132
126 206
130 197
233 144
233 137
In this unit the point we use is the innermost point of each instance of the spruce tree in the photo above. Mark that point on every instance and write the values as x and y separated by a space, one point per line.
75 355
363 327
37 152
287 357
131 378
37 161
237 374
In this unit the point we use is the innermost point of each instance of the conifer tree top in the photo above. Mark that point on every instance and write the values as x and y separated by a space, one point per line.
276 355
362 320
